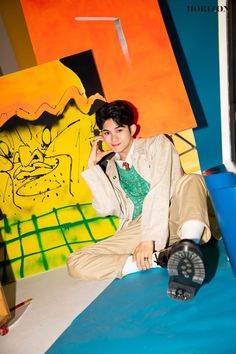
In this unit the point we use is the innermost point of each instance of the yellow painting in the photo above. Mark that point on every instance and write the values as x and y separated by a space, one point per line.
47 126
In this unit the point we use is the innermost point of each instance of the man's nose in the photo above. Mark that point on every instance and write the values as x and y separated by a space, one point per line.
114 138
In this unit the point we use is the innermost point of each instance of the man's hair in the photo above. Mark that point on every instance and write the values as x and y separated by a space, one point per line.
120 111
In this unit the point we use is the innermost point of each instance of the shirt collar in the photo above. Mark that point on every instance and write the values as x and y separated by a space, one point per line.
128 159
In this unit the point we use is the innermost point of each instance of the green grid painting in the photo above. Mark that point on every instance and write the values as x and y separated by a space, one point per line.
43 242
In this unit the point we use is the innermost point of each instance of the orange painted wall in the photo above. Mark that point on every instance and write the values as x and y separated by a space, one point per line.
148 76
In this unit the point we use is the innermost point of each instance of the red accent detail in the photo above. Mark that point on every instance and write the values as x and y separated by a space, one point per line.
126 166
3 330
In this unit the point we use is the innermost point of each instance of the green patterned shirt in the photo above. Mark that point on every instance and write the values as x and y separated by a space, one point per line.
135 187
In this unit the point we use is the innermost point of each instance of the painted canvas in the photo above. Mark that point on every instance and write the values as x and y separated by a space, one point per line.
47 125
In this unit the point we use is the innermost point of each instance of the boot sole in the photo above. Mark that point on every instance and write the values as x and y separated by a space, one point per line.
187 273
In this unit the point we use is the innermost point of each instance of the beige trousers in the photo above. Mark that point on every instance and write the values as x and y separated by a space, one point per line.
106 259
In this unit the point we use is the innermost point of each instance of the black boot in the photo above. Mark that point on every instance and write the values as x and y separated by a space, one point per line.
163 256
186 269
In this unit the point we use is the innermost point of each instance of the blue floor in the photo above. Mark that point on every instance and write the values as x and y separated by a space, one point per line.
134 315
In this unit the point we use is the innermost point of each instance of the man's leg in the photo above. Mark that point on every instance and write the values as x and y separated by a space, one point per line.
105 259
189 225
189 203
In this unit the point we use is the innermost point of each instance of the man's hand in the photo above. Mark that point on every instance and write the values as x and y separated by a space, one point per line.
143 255
96 153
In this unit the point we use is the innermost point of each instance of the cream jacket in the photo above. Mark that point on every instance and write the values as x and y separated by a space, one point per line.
157 161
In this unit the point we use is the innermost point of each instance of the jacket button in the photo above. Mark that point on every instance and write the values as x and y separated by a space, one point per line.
114 177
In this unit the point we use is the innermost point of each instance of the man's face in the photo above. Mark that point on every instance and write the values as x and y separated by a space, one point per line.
118 138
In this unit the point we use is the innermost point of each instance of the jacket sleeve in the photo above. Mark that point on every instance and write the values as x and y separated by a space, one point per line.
165 172
105 201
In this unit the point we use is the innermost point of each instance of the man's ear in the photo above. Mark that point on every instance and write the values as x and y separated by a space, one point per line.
133 128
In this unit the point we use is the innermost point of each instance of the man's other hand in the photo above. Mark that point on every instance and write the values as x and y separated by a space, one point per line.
143 255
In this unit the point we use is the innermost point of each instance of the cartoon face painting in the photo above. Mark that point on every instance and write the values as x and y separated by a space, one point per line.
45 139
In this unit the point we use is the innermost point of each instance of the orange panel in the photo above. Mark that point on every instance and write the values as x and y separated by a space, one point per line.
139 66
44 88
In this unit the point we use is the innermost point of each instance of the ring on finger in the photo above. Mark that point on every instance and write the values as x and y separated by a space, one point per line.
145 258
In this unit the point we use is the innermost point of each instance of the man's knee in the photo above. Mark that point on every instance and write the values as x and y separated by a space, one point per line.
192 178
190 182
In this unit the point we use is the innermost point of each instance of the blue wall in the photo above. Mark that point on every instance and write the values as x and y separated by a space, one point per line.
194 37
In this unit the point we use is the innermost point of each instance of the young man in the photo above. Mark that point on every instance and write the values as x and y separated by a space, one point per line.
162 211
